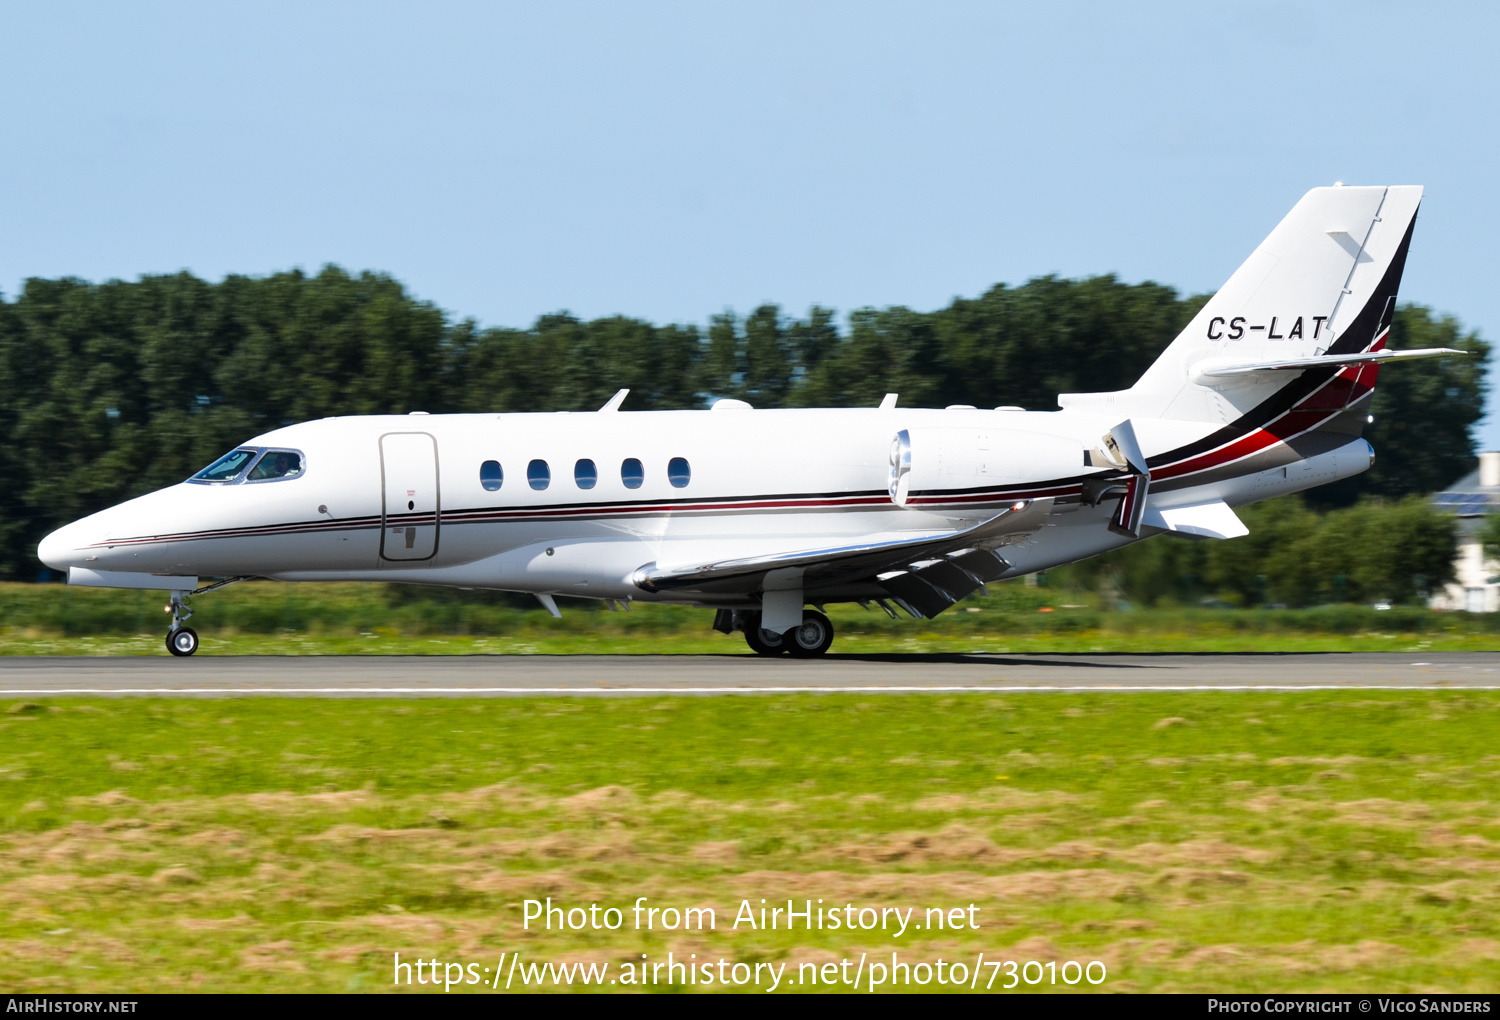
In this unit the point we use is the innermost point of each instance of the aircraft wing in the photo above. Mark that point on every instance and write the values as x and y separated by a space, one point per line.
926 572
1322 361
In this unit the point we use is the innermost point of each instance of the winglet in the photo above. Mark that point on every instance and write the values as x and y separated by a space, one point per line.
889 402
614 402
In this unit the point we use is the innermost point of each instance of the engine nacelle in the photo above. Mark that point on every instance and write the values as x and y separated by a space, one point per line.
950 461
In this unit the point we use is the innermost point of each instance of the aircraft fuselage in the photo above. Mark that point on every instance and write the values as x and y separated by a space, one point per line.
402 498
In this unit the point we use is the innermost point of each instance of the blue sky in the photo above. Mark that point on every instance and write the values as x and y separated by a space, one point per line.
669 160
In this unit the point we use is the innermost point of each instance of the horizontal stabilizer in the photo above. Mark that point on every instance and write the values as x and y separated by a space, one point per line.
1206 520
1322 361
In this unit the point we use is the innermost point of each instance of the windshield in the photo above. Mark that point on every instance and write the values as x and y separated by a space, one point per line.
227 468
277 464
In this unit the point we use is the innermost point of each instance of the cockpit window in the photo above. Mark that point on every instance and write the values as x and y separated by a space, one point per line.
276 464
252 464
228 468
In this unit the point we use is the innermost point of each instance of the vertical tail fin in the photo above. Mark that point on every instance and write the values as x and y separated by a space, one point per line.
1323 283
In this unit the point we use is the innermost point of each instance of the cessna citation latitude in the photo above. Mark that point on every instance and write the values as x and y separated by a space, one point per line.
761 514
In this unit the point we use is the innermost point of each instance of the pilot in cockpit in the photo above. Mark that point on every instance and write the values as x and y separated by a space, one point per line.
277 464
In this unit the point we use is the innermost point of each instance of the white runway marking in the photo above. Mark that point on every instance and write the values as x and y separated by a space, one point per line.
926 689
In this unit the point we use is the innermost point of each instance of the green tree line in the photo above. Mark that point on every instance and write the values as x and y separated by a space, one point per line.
1378 550
114 389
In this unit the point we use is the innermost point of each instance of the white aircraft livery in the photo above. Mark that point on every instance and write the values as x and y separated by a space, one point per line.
760 514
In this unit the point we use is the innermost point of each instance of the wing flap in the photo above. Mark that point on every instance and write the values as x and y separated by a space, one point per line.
982 564
930 587
947 577
916 596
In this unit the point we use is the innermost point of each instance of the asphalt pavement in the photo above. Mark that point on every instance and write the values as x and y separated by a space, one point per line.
519 675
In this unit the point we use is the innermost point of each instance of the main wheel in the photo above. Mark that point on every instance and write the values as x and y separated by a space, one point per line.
764 642
812 638
182 641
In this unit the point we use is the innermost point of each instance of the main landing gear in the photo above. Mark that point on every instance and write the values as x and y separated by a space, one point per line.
181 640
807 641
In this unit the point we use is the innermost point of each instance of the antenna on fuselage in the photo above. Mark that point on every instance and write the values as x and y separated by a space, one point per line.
889 402
614 402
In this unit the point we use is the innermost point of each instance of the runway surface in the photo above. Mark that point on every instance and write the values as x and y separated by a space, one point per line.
625 675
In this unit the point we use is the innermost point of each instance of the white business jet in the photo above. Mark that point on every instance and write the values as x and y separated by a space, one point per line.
760 514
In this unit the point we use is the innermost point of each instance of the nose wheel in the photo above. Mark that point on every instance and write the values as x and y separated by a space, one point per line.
181 640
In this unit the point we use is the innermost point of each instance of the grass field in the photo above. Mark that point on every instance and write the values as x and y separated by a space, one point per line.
1320 841
269 618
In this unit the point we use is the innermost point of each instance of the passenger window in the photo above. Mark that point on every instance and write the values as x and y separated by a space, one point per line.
678 472
585 474
276 464
491 475
538 474
632 473
227 468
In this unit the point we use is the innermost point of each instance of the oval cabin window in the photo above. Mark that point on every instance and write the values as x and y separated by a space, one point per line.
632 473
538 474
585 474
679 473
491 475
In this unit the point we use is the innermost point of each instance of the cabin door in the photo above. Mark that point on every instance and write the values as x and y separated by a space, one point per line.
411 507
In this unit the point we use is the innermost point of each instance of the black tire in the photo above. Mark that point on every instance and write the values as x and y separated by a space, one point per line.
182 642
763 642
810 640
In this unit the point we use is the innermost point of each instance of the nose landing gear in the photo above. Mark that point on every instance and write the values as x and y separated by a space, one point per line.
181 640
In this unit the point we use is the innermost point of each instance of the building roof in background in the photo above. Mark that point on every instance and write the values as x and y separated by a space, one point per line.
1467 498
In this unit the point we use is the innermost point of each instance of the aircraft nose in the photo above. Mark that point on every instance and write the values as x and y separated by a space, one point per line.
60 550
